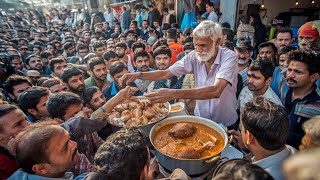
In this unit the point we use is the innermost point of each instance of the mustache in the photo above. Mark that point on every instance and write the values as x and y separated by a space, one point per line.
290 79
74 153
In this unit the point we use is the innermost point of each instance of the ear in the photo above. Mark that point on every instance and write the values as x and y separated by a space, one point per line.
41 169
249 137
269 80
11 96
314 77
32 111
144 173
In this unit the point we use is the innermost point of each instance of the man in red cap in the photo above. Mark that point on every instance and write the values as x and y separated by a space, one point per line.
309 36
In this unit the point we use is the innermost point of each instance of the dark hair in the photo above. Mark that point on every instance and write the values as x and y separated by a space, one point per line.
309 58
267 122
51 82
117 68
54 61
140 54
88 93
285 30
225 25
14 80
121 45
166 26
97 44
28 58
244 19
52 44
58 103
188 47
4 110
129 142
130 43
87 57
129 32
229 33
68 45
137 45
68 73
267 44
188 40
31 97
82 46
36 137
172 33
45 54
240 169
210 4
108 55
286 49
161 50
95 61
264 65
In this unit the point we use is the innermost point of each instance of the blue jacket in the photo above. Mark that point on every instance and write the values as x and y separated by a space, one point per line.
126 19
21 175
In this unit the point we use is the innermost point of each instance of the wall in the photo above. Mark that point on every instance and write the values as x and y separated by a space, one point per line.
274 7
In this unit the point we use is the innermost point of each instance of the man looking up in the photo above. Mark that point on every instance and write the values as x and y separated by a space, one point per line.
268 50
215 74
57 66
98 71
73 78
142 62
303 95
259 78
308 38
34 62
284 38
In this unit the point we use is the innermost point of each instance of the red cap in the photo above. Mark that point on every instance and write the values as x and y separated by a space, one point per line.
308 30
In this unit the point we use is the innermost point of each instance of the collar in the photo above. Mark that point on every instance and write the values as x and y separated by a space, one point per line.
311 97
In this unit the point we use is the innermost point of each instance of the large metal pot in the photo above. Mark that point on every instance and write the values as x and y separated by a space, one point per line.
190 166
144 128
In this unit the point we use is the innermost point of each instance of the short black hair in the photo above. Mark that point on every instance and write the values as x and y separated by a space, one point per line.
82 46
48 83
45 54
68 45
285 30
58 103
30 98
117 68
54 61
88 93
95 61
210 4
172 33
309 58
28 58
4 110
267 122
286 49
225 25
264 65
68 73
267 44
137 45
161 50
229 33
140 54
128 141
188 47
14 80
97 44
121 45
109 54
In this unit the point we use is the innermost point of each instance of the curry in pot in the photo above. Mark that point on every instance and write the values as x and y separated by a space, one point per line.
188 141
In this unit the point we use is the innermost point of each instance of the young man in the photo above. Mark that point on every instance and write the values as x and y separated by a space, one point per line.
54 85
99 72
73 79
117 71
268 50
243 52
69 50
33 102
259 78
144 33
33 76
303 97
284 38
99 48
82 50
57 66
142 62
174 46
34 62
16 85
162 56
121 51
264 131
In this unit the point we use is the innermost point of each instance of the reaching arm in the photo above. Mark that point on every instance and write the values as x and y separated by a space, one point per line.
153 76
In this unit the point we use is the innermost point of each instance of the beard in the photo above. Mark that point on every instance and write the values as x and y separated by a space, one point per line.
79 89
242 61
204 57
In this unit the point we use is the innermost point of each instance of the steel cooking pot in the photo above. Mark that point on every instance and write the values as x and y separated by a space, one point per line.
190 166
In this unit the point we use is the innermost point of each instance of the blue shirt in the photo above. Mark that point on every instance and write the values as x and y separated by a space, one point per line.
112 90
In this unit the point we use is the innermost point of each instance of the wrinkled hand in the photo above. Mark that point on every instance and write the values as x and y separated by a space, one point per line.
128 78
237 138
160 95
85 112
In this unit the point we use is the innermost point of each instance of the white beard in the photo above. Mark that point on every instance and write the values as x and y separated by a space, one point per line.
205 56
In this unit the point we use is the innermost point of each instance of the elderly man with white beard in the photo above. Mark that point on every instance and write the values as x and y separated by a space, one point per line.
215 71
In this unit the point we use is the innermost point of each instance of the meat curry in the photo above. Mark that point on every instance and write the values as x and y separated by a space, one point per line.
188 141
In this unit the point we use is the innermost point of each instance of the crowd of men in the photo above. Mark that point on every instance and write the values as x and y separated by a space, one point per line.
60 80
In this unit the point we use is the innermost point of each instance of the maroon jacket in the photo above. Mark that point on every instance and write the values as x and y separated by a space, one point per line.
8 164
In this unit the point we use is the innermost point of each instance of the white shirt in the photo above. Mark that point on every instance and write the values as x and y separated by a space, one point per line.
246 95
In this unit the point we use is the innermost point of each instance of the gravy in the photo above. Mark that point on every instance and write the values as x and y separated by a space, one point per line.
202 135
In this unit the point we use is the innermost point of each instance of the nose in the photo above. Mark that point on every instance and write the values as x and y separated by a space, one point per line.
290 74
